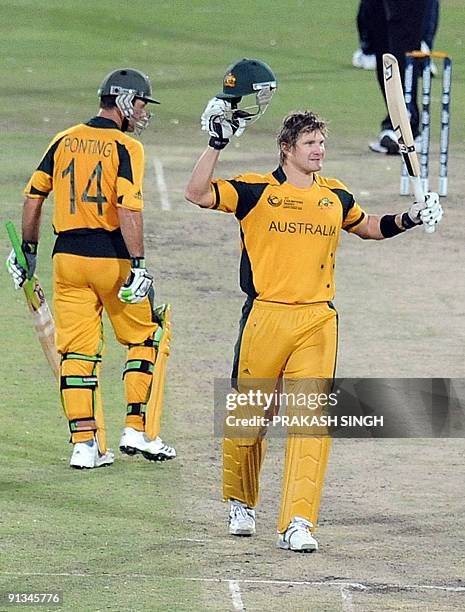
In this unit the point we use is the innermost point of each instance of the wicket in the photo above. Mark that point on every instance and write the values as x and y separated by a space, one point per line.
425 59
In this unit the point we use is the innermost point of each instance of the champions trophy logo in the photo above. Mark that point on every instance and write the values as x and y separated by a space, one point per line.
274 201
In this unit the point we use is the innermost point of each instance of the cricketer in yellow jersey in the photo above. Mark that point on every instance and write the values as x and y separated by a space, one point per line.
290 220
96 170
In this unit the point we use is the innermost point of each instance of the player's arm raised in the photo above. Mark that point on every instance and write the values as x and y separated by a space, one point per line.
378 227
217 119
198 190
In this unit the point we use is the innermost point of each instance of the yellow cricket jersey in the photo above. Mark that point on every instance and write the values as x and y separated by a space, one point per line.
289 235
93 169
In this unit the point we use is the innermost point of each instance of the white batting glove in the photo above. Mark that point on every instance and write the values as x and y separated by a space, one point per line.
428 212
217 119
18 274
432 213
137 285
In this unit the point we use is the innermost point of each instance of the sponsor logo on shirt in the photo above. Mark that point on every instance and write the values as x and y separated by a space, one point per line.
289 203
293 204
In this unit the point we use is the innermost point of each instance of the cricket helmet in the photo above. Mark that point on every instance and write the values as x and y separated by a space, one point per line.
127 81
128 85
244 78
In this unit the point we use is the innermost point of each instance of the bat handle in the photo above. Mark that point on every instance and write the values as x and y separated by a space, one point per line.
420 197
21 258
16 244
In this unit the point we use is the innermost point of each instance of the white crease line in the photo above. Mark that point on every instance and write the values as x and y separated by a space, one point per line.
161 184
347 603
236 596
322 583
346 594
192 540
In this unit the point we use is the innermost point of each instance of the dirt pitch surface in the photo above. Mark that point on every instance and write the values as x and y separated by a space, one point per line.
392 519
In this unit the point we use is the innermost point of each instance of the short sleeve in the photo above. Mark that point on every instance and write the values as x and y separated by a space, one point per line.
355 215
130 175
225 196
352 213
41 182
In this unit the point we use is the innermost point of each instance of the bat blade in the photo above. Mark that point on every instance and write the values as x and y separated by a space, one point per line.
401 125
43 322
400 121
42 318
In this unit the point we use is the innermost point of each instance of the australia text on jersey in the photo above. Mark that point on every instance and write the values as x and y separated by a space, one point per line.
292 227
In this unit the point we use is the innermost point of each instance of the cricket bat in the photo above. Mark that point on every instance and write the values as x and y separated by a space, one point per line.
162 344
42 318
401 125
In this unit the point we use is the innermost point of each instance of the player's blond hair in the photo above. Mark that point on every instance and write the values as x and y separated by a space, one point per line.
294 125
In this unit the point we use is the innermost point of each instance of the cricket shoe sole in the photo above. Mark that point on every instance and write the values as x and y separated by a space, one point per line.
135 442
298 537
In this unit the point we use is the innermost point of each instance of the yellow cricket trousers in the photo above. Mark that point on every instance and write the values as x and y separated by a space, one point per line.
293 342
83 288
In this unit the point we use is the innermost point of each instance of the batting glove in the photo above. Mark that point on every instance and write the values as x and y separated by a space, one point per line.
138 284
18 273
432 214
428 212
219 121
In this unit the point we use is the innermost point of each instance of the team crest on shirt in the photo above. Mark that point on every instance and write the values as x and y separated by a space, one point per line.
325 203
274 201
229 80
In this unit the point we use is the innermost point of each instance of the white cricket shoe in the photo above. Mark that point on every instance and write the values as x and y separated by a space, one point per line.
133 441
298 536
241 519
86 455
363 60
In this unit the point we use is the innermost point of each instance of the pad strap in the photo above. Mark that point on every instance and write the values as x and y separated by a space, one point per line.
138 365
136 409
78 382
88 424
94 358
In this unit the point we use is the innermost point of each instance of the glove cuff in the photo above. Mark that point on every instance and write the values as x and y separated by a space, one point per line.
406 221
29 248
138 263
218 143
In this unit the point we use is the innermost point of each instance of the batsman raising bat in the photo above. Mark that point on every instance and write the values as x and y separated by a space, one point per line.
290 221
95 170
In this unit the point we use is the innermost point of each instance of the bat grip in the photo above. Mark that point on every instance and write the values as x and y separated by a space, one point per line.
16 244
420 197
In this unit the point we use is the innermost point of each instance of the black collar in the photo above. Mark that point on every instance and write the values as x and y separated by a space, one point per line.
102 122
279 175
